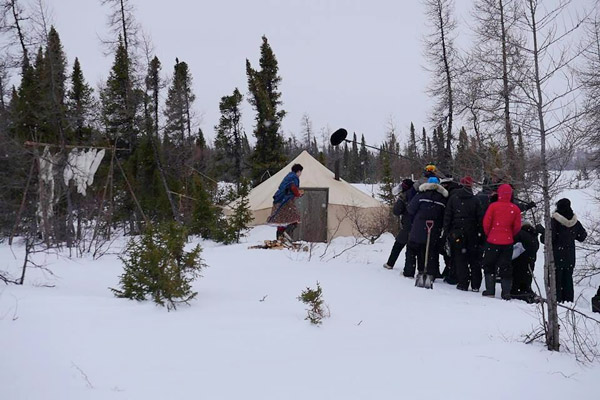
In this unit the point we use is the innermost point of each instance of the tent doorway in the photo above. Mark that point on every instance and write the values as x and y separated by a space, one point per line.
313 210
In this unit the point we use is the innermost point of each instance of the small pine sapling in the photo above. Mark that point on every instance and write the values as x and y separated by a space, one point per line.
317 309
242 215
157 266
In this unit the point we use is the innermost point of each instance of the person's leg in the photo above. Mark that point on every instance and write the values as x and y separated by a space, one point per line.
396 249
490 256
505 268
410 262
475 257
461 262
280 230
433 262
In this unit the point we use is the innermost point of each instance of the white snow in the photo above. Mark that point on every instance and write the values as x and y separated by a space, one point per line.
385 338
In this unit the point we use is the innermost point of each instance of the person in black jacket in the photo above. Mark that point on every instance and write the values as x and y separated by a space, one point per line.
450 275
565 230
427 205
462 227
399 210
524 264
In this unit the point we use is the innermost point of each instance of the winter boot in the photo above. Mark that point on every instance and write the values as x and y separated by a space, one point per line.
420 279
428 282
280 230
506 285
386 266
490 285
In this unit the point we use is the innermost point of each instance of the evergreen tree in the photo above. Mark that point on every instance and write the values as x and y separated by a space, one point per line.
425 153
354 162
53 84
119 105
229 140
242 215
462 165
178 105
154 85
80 106
363 156
263 86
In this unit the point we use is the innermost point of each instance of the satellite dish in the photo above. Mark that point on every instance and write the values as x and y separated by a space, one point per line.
338 136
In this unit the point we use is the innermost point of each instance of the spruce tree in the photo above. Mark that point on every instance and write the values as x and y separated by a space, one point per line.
354 161
364 161
229 139
119 105
80 105
263 85
178 105
53 84
241 218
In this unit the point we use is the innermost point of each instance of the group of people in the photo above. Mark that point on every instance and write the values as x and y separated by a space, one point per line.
475 232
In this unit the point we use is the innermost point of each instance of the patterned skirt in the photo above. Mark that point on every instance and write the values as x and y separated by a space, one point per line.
288 214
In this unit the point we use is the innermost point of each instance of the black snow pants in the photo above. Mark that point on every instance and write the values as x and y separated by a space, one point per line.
522 277
564 284
409 259
466 260
497 260
432 265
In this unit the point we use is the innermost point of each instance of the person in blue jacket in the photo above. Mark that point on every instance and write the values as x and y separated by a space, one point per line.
284 212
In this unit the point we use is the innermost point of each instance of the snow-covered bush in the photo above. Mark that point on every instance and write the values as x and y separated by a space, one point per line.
317 309
157 266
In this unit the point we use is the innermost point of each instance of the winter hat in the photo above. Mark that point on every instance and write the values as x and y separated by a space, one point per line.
407 184
467 181
433 179
563 207
430 170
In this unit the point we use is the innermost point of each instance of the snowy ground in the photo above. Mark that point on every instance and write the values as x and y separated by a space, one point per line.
385 338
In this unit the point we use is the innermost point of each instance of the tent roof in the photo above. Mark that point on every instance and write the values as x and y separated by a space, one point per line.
314 175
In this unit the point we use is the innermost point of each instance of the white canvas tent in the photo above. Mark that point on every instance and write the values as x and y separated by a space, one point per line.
345 203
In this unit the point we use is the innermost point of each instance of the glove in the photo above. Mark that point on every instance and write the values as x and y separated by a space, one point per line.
539 228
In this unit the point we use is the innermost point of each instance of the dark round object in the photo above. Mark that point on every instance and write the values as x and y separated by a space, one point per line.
338 136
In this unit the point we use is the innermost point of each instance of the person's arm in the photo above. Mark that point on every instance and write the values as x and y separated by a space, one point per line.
487 219
580 232
399 207
297 192
449 215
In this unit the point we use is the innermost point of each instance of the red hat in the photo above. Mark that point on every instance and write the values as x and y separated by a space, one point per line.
467 181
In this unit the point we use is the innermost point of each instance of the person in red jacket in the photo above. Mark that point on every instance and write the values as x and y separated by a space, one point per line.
502 221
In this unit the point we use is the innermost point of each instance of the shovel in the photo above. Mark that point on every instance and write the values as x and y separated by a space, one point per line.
422 280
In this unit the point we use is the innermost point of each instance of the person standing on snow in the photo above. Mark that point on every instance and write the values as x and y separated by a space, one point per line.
501 222
427 208
449 274
524 263
462 226
400 210
284 212
565 230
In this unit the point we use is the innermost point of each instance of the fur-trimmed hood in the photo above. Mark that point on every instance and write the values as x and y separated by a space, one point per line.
433 186
569 223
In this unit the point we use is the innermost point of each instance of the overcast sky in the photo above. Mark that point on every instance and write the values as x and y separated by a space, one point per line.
352 64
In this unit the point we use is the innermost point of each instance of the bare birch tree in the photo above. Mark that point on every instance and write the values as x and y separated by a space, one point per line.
552 97
441 53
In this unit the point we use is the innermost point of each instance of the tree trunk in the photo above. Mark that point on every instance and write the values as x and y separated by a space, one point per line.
13 4
510 151
448 148
552 333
